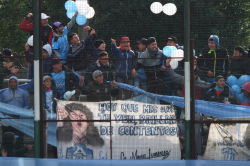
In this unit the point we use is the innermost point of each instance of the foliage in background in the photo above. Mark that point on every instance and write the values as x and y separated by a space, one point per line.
229 19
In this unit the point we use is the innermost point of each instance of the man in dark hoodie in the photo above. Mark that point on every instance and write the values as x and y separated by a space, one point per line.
94 48
8 148
101 64
151 62
238 66
208 60
60 41
4 69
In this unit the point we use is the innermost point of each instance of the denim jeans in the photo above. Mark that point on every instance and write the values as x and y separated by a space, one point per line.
140 83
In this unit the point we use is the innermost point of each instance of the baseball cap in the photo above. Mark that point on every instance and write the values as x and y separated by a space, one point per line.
7 52
151 40
47 77
172 38
55 61
44 16
143 41
69 94
96 73
124 39
57 24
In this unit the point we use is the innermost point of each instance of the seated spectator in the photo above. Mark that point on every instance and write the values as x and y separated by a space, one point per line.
94 48
218 91
16 97
239 66
101 64
213 67
140 80
151 62
172 41
60 41
100 90
62 78
50 94
4 70
244 97
124 65
8 148
70 96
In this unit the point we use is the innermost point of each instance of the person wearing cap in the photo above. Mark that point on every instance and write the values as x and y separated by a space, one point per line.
208 62
244 97
62 78
47 31
151 62
101 64
218 90
172 41
238 66
124 64
50 93
70 95
94 48
100 90
6 69
77 57
140 79
17 97
60 41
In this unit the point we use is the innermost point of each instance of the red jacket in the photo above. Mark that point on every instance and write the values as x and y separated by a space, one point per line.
47 32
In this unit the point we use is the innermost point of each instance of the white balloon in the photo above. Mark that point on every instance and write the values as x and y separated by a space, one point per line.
173 64
91 13
85 1
82 7
178 55
30 40
156 7
169 9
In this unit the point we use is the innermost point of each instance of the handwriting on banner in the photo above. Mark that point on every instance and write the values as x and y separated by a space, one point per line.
136 116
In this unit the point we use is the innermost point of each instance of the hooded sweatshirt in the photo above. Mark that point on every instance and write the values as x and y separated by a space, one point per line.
46 62
16 97
217 66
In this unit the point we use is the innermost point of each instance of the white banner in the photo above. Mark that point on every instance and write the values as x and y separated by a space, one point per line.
136 131
226 142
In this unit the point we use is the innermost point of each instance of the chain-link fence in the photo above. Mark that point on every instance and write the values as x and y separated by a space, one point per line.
112 77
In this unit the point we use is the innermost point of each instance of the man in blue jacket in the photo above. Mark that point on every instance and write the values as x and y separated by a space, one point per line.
124 64
16 97
60 41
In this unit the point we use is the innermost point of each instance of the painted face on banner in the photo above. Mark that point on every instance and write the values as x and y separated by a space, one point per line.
79 128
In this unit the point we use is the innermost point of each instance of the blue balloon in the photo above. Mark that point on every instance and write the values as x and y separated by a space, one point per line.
70 14
70 6
167 51
81 19
235 90
232 80
243 79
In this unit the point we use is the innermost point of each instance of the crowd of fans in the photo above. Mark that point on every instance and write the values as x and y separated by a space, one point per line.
84 67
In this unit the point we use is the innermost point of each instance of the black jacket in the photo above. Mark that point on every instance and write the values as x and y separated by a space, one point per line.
100 92
239 67
106 72
212 95
217 66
